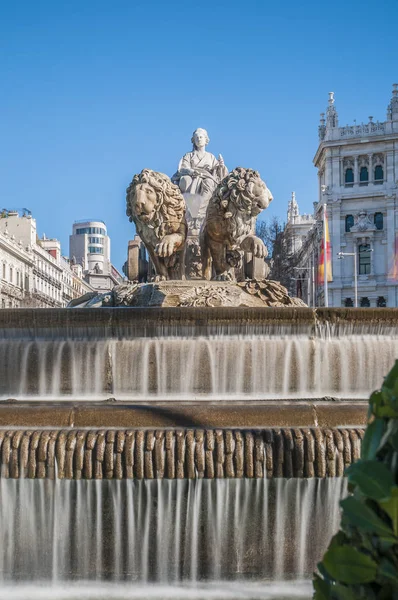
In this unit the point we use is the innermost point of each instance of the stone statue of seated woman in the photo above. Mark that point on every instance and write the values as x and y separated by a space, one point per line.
199 172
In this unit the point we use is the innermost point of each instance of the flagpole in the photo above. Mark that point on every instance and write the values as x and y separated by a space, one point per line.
325 273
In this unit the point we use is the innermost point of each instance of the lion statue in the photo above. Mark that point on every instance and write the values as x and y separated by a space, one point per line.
228 228
157 208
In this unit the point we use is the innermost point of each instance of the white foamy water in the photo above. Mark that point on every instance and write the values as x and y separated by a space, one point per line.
214 591
233 367
165 531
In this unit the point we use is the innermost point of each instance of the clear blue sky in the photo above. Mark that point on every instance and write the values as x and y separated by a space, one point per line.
91 92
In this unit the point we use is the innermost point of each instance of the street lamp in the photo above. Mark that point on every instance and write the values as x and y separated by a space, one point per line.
341 256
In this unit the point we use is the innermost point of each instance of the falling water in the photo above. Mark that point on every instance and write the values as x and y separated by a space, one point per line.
266 367
165 531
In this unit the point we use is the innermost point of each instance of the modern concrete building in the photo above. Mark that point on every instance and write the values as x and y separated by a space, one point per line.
90 247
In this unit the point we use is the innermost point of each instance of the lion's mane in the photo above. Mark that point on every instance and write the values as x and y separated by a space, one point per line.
171 204
233 200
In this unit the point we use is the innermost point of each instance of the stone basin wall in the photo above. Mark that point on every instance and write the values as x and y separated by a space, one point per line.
178 453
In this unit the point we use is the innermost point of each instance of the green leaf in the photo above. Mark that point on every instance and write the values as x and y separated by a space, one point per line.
362 516
390 506
394 438
371 441
340 592
321 589
373 478
391 379
348 565
387 570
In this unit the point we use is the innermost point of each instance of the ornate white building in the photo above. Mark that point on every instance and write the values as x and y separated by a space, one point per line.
32 271
358 176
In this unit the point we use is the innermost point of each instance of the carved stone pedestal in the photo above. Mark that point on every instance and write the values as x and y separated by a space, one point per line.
249 293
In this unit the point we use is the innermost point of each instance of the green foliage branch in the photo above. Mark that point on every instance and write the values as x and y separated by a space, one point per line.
362 559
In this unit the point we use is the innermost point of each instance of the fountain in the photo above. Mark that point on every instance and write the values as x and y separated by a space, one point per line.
170 438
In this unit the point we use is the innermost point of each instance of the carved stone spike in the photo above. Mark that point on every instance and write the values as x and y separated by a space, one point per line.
34 442
148 455
279 453
199 453
79 453
170 455
51 455
60 453
288 452
338 440
120 439
180 446
24 451
100 447
118 466
139 454
320 453
298 454
249 447
159 454
209 454
347 448
229 454
88 464
355 445
129 452
239 455
190 454
269 452
259 455
309 450
70 451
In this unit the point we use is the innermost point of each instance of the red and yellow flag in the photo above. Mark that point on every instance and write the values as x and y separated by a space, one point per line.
322 261
393 270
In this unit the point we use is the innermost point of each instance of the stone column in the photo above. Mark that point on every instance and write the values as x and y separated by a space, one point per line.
390 248
371 245
356 172
133 259
328 170
389 170
370 168
335 238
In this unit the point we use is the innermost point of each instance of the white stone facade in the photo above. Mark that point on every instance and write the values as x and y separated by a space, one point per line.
358 180
297 226
32 272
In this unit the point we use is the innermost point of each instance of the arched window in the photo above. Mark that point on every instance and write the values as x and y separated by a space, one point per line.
381 302
378 220
364 259
365 302
364 175
349 176
349 222
348 302
379 174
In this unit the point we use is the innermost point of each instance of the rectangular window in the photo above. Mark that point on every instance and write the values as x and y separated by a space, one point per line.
11 274
4 270
364 259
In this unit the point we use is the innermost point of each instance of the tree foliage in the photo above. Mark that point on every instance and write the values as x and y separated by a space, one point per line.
362 559
282 261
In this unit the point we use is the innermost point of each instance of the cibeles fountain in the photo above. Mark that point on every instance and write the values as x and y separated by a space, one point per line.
184 437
